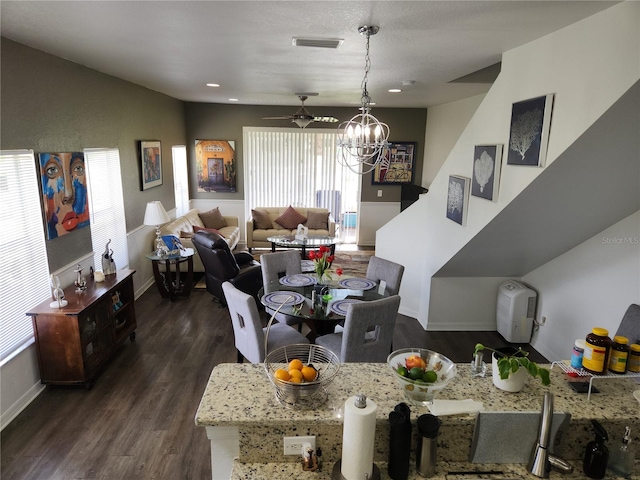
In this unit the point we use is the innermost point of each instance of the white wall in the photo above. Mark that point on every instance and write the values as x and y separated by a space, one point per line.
587 65
445 124
371 217
589 286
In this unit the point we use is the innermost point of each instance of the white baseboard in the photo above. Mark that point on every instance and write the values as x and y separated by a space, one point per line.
461 326
23 402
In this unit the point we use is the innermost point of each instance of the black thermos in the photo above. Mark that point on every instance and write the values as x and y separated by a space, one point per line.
596 455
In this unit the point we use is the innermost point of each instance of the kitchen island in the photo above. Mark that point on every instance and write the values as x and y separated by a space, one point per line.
246 424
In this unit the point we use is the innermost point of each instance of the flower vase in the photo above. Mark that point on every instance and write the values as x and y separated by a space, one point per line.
322 278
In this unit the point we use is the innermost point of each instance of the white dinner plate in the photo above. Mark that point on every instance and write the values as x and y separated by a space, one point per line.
282 297
357 283
340 306
298 280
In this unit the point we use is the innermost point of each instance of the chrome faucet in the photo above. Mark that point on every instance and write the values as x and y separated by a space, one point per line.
542 461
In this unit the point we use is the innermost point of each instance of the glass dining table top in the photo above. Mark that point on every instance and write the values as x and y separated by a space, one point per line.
331 300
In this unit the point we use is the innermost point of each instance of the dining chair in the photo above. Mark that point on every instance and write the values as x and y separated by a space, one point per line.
390 272
247 328
368 331
275 266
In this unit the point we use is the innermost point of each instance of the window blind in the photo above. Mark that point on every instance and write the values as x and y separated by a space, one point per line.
180 179
24 269
106 205
284 166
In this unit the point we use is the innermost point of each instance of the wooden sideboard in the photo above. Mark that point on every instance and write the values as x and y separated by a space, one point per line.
75 341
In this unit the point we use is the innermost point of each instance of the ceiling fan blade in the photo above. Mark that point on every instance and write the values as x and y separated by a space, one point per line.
325 119
287 117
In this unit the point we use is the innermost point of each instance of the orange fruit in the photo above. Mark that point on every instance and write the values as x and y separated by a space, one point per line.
281 374
295 379
295 364
309 373
296 374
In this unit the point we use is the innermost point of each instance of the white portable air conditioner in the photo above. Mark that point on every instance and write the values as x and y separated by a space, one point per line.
516 309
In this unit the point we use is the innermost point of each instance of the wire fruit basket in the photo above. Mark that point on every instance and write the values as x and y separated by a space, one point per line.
307 395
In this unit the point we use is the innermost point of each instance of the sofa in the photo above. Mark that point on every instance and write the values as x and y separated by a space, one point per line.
182 227
263 223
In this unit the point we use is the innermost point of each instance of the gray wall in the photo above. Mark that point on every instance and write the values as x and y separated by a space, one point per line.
50 105
208 121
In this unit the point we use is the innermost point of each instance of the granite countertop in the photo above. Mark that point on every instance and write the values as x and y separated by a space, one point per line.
241 394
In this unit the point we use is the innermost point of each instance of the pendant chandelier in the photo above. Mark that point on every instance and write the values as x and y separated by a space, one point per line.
363 140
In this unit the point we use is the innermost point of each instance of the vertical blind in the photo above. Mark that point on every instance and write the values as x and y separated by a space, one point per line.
180 179
284 166
24 269
106 205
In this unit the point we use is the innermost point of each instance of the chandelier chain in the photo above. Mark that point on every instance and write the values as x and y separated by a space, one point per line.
366 99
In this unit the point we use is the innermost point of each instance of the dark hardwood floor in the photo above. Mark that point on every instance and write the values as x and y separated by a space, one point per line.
138 420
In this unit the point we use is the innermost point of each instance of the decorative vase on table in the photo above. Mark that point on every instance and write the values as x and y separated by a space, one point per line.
322 260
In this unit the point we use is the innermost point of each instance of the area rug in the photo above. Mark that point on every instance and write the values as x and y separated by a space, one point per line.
352 263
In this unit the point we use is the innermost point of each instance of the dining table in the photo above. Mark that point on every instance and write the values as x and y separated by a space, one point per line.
320 306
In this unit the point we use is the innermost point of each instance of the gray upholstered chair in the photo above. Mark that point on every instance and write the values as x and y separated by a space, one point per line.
368 331
275 266
278 264
247 327
630 324
390 272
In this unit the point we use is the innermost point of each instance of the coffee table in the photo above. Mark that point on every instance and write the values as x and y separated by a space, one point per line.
311 242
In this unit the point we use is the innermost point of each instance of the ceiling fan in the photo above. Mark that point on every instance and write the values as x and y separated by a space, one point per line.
302 117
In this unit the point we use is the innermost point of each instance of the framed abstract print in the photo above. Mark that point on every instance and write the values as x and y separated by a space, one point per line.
150 152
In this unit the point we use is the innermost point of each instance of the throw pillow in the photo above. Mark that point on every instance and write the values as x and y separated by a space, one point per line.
318 220
213 219
290 218
261 219
197 228
184 234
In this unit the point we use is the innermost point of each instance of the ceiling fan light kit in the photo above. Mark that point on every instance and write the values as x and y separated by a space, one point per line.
302 117
363 140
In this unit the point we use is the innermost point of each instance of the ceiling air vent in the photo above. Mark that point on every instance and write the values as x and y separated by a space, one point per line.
317 42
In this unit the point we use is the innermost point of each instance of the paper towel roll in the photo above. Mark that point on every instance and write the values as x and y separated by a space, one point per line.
358 437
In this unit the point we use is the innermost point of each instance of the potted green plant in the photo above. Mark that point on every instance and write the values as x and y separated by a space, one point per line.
510 367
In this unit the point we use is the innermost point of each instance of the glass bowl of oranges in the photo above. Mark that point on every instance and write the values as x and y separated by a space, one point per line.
421 373
300 374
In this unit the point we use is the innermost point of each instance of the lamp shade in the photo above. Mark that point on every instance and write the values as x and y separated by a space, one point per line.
155 214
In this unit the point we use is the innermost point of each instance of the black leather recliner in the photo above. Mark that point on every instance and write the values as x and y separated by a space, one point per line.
221 265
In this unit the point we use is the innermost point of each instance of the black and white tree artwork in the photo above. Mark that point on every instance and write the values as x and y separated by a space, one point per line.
486 171
457 199
530 122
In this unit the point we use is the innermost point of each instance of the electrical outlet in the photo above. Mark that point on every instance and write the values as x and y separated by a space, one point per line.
293 445
379 193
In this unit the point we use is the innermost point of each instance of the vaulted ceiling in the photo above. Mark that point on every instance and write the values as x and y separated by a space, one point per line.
429 49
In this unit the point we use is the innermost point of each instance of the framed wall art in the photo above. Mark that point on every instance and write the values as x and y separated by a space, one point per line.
529 132
397 166
485 181
64 192
458 199
150 152
216 165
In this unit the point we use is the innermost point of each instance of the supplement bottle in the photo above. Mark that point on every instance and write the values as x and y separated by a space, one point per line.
577 353
596 351
619 354
633 365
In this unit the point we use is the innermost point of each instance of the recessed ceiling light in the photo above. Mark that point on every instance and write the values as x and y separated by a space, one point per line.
212 85
394 90
233 99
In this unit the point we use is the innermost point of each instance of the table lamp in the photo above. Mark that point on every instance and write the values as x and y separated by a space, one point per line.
156 215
